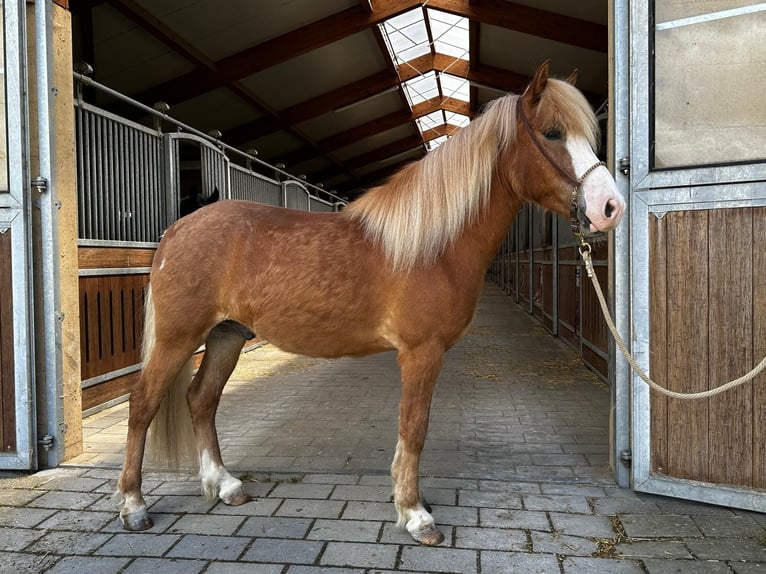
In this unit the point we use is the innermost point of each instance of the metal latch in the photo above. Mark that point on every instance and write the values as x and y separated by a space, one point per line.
626 456
625 165
40 184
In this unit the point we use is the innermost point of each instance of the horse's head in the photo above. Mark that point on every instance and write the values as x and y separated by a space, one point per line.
557 135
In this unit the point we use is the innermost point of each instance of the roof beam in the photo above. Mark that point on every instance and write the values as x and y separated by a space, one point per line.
355 19
275 51
529 20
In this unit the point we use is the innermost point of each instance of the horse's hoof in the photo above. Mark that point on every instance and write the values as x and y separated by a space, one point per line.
136 521
238 500
428 536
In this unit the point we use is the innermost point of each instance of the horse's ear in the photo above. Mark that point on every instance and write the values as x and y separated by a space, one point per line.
572 79
539 81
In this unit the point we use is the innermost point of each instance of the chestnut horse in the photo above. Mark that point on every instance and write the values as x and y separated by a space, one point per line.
400 268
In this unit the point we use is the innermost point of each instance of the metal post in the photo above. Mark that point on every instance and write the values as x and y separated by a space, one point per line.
619 246
49 205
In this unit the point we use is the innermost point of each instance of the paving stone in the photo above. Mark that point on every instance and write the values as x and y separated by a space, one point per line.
557 503
652 549
345 530
214 525
657 566
176 504
65 542
18 538
320 491
363 510
243 568
271 527
747 549
138 544
165 565
18 497
455 516
331 479
23 517
356 492
507 562
520 519
582 525
427 559
359 555
67 500
259 507
664 525
729 527
20 563
74 484
553 543
489 499
78 520
490 539
88 565
301 508
274 550
300 569
209 547
578 565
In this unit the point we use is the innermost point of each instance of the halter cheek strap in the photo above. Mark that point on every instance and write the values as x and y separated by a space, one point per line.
574 204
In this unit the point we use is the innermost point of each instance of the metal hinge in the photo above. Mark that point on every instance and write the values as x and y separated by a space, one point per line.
40 184
625 165
626 456
46 441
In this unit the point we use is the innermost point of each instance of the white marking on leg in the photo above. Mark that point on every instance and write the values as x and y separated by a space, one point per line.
132 503
416 520
216 480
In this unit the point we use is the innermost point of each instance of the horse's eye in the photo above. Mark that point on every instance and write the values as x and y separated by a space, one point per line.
552 134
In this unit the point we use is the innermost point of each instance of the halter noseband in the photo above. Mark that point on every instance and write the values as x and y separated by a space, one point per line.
574 204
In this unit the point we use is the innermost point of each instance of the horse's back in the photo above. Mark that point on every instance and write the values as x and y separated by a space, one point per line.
307 282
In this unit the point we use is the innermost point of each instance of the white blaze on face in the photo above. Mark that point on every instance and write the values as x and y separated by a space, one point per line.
604 206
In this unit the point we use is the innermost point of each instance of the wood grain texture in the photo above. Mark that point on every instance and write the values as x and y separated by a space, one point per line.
688 344
658 361
730 325
113 257
759 346
7 370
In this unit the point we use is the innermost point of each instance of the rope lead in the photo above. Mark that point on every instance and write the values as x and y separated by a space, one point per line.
585 251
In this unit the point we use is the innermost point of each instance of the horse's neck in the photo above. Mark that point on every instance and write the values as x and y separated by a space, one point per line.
481 238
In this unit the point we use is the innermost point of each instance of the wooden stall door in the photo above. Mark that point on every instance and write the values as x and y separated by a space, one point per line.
708 309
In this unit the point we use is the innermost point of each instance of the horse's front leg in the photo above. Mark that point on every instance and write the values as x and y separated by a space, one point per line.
222 350
420 367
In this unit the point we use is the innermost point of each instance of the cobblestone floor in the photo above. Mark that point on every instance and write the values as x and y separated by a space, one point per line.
515 469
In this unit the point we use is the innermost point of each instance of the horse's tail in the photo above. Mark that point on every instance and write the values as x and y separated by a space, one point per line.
171 436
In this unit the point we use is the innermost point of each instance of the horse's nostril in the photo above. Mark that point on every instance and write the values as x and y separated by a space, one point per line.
609 209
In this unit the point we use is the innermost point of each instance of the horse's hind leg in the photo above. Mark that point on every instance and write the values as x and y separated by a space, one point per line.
222 351
160 371
420 367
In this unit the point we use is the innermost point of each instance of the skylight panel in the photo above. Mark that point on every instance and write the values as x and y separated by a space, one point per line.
432 120
421 88
450 33
406 36
454 87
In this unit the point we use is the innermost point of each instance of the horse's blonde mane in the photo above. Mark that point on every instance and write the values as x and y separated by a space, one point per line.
425 206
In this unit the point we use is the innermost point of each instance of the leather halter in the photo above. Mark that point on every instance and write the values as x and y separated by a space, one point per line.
574 204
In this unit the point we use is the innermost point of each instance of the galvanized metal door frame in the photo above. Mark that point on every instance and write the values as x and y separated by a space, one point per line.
213 174
15 217
657 193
